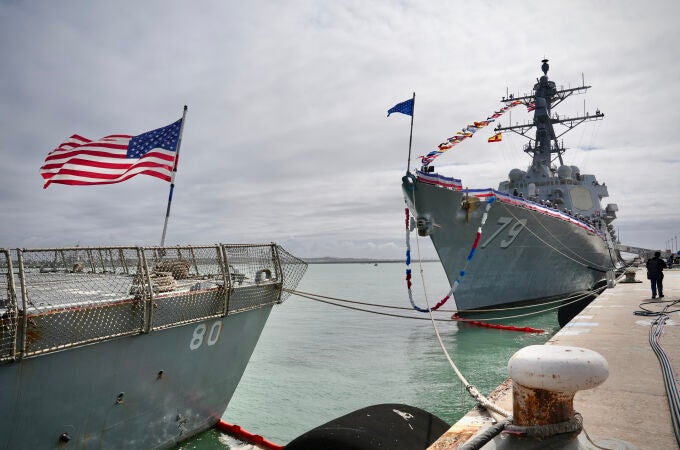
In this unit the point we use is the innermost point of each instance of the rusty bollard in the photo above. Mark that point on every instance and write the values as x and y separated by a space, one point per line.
545 379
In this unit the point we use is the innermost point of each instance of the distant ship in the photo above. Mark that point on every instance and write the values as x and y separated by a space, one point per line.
129 347
547 235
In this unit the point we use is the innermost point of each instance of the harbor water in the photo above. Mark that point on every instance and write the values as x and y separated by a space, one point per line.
315 362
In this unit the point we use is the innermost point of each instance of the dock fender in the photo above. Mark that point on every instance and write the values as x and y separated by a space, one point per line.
385 426
570 309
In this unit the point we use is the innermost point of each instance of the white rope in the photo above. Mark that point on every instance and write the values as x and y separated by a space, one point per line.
566 246
579 295
312 295
604 269
330 300
543 310
471 389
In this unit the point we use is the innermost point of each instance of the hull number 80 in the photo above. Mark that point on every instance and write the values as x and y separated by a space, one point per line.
203 334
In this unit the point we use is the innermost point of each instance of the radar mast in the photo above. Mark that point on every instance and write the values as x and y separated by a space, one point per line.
545 143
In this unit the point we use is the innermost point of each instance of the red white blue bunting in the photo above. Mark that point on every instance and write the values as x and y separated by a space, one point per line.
440 180
446 182
461 274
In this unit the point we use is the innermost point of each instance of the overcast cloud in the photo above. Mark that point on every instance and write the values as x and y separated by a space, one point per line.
286 137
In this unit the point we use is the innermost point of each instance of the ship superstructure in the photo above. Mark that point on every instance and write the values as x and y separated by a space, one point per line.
560 186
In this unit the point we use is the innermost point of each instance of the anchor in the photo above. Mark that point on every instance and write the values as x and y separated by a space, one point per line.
469 204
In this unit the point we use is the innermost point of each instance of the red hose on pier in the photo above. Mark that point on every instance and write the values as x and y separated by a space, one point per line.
496 326
248 436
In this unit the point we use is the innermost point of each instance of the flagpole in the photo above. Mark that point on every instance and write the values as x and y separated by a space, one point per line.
410 138
172 177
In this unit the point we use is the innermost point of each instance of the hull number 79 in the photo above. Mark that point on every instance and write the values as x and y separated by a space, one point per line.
513 231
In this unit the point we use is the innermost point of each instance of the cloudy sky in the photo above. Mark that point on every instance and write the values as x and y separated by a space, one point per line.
286 137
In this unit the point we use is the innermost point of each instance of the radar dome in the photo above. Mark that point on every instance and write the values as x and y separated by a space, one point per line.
516 175
564 172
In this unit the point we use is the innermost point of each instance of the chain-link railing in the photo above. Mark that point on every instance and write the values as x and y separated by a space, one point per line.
8 309
293 269
73 296
190 283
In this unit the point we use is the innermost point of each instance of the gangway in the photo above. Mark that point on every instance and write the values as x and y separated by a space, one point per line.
644 253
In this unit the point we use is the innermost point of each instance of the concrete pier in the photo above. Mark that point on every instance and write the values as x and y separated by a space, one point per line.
631 405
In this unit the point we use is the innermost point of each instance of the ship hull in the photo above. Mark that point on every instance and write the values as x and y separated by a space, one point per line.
172 387
523 254
129 347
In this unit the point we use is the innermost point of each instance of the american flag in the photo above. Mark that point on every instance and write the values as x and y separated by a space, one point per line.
114 158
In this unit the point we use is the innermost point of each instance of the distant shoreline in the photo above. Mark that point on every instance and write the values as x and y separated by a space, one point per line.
328 260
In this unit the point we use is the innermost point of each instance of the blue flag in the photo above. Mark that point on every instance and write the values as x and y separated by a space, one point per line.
403 107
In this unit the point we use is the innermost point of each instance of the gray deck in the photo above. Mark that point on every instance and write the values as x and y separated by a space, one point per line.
631 405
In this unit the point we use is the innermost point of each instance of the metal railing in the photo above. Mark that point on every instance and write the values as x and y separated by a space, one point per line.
80 295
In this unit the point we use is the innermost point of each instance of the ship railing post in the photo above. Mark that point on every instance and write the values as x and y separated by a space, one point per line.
24 303
121 255
12 299
226 275
193 259
63 259
148 304
277 267
101 259
112 259
91 260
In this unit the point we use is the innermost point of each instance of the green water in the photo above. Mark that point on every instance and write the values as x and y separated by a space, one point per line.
315 362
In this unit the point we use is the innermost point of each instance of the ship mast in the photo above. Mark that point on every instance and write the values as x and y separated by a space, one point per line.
545 144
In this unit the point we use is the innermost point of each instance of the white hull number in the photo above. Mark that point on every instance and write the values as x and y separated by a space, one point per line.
512 232
200 335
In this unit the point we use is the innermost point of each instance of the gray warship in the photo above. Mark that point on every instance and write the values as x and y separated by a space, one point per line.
547 235
129 347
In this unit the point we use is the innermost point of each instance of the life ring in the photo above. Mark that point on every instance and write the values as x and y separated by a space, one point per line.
263 275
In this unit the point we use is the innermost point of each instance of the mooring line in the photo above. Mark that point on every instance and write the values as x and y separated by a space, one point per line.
368 310
331 301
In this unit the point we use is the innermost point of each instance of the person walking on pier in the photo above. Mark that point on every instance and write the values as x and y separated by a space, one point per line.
655 268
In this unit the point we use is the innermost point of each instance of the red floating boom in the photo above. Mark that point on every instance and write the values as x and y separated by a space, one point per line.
496 326
248 436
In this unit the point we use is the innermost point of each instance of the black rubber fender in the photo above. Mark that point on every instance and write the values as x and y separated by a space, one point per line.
385 426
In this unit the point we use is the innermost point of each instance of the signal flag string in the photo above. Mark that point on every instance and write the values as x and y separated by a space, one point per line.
468 132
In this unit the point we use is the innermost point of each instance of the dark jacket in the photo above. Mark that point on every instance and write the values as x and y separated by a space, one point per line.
655 267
